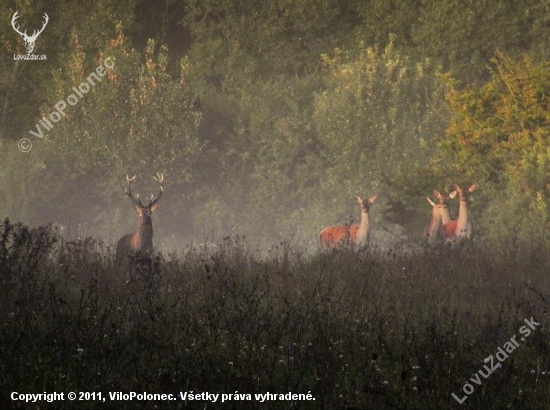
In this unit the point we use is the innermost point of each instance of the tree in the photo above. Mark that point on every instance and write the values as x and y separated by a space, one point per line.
137 119
499 135
375 122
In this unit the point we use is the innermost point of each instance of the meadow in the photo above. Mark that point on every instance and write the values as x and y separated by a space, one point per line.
395 328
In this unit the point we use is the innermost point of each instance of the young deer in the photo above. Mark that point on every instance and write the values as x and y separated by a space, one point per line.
461 228
440 216
139 243
358 235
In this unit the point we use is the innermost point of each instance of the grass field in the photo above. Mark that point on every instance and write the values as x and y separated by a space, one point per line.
386 329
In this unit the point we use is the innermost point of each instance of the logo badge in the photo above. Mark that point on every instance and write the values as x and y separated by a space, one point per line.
29 40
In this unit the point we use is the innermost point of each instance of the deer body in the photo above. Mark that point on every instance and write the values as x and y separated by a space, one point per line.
440 216
461 228
141 241
357 235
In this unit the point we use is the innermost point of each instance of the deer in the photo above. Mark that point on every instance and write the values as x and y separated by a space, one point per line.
139 243
29 40
357 235
459 229
440 216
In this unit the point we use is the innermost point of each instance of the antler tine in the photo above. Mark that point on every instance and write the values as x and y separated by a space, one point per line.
159 178
135 199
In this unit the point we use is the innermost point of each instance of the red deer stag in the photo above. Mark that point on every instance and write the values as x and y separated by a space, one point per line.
440 216
139 243
456 230
357 235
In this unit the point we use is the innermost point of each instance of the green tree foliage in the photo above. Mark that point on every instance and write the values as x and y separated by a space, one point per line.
464 35
137 120
375 122
25 85
499 135
267 117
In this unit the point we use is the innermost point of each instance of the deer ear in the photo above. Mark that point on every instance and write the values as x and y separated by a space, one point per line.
472 188
358 199
373 199
154 208
452 194
432 203
136 208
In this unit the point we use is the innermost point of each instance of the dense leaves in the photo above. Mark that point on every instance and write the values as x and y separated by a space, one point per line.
499 135
267 117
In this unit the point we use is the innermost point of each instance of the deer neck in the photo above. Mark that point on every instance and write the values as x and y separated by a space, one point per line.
363 233
462 221
435 223
445 215
142 241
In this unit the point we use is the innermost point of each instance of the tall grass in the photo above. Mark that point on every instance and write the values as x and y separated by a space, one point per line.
385 329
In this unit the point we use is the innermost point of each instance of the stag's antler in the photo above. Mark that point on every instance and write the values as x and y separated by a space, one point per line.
135 199
159 178
35 32
15 17
29 40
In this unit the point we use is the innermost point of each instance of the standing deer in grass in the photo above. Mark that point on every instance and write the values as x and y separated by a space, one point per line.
456 230
357 235
440 216
139 243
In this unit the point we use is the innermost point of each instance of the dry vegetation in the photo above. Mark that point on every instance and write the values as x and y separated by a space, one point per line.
385 329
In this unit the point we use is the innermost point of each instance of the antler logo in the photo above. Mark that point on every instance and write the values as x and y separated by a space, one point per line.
29 40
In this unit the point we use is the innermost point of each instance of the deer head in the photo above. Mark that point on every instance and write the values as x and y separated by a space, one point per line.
144 212
29 40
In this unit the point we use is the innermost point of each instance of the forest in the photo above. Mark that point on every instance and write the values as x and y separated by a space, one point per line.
263 120
266 118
